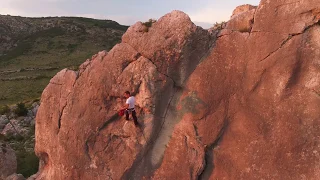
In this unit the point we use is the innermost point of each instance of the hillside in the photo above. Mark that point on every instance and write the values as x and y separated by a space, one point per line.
33 50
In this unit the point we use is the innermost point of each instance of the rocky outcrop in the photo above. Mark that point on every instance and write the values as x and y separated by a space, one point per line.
243 21
101 83
242 105
8 161
242 9
12 125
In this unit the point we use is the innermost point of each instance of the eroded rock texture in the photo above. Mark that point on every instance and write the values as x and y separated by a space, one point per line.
242 105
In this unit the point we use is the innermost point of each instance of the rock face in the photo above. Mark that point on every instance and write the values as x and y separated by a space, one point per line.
242 105
8 161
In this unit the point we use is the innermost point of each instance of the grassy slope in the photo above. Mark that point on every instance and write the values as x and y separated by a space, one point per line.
54 48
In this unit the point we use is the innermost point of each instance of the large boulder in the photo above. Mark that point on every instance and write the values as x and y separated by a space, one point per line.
80 109
8 161
243 105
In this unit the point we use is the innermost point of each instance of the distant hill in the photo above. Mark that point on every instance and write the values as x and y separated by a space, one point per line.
32 50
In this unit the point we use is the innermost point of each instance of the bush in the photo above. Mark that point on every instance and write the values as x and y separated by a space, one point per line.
28 162
219 26
148 24
4 110
74 68
22 48
11 137
21 110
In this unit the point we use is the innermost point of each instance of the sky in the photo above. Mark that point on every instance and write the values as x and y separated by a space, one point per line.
126 12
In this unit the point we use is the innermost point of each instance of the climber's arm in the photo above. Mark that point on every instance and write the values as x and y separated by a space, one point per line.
126 106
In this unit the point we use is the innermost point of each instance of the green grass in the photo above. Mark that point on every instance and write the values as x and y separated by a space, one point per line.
16 91
28 163
98 23
26 43
55 48
4 109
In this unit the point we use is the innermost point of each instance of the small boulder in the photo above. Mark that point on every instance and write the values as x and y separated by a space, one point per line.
15 177
35 107
8 161
3 121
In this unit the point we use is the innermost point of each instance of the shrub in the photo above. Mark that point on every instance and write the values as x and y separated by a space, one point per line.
74 68
148 24
28 162
22 48
219 26
21 110
4 110
11 137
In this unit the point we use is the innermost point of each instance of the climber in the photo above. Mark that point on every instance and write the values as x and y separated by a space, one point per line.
129 108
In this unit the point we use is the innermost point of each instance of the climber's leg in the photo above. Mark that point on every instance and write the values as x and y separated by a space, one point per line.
127 114
135 119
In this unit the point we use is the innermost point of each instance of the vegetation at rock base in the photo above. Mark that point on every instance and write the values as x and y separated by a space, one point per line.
22 143
21 110
27 161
